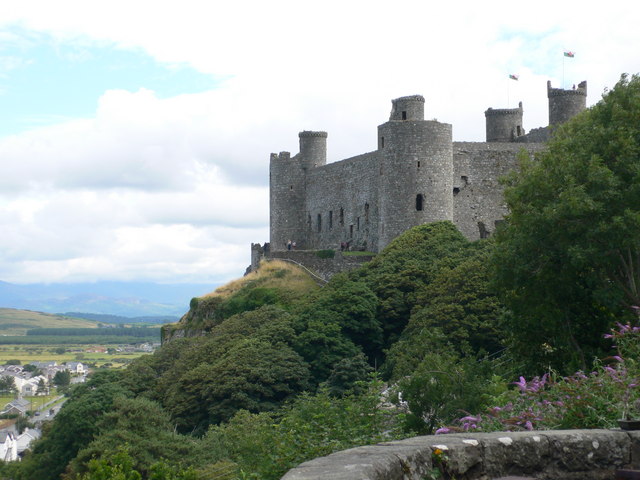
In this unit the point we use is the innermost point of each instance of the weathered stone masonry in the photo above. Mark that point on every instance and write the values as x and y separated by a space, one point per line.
549 455
417 175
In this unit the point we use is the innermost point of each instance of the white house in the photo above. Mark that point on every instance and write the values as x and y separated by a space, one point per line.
8 446
76 368
25 439
30 386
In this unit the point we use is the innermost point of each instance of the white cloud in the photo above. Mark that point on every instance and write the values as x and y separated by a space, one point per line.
175 189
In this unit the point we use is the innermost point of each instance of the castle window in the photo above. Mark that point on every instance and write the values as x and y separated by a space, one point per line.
350 230
290 187
358 223
309 221
341 216
381 142
418 163
330 219
404 115
456 190
419 202
366 213
519 130
484 233
319 222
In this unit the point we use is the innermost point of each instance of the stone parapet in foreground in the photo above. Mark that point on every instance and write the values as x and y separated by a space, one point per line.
555 454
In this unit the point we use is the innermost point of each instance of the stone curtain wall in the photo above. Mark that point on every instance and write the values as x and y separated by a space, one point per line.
477 193
551 455
324 268
350 185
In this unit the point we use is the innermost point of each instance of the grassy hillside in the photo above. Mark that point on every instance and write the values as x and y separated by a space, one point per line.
17 322
275 283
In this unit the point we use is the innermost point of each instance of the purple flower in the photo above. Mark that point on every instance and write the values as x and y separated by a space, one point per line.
528 425
522 384
442 430
469 419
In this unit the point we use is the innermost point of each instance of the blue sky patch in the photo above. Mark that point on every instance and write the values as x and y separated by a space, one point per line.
43 82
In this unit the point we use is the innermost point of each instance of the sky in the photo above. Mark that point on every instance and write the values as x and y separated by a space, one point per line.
135 136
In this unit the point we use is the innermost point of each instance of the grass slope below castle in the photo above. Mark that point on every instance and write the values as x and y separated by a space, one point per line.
274 283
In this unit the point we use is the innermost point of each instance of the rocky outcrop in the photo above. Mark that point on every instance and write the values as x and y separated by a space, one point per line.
566 454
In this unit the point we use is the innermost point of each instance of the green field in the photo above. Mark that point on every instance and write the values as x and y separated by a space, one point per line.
17 322
59 346
38 353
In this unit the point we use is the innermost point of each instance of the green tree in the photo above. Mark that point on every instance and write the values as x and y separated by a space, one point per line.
322 344
266 445
442 386
42 387
7 385
349 375
146 430
62 378
404 268
74 427
459 304
353 306
32 369
568 259
250 373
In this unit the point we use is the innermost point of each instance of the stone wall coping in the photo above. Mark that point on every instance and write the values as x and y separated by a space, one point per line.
551 454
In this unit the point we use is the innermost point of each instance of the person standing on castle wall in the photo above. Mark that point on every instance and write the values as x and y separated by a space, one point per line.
289 245
293 245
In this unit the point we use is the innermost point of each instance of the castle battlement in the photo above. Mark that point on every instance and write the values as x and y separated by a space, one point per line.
418 174
310 134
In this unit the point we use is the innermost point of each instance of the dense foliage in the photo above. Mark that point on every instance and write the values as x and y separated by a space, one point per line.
568 260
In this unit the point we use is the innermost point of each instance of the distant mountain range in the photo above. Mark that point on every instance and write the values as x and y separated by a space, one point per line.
122 299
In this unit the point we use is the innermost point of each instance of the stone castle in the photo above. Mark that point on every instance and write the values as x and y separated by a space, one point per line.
418 174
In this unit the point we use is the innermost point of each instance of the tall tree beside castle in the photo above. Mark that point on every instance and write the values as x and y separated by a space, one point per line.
569 257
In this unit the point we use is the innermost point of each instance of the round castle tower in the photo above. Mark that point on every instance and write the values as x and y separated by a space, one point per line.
313 148
416 169
566 104
504 124
287 189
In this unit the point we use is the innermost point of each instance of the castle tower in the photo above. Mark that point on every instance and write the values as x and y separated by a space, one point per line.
504 124
565 104
416 170
313 148
287 189
286 200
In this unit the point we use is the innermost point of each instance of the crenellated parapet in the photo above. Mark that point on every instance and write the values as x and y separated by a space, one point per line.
310 134
558 92
407 108
280 156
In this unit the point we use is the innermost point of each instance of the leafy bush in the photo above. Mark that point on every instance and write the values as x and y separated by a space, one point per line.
583 400
266 445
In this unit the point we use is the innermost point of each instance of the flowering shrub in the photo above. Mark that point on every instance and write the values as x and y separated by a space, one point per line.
583 400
